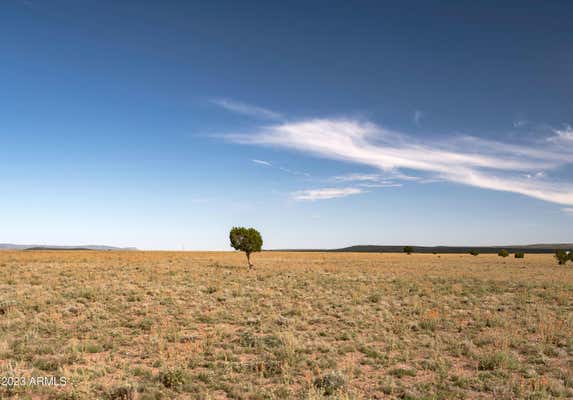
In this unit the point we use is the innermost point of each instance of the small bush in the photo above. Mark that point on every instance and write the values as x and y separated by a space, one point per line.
474 253
408 250
519 255
120 393
172 378
145 324
375 298
330 382
496 361
503 253
563 256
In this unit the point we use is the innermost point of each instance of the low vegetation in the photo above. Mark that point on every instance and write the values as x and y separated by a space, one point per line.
183 325
563 256
503 253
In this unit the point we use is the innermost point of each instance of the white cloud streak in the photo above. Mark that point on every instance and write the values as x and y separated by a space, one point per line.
283 169
380 185
359 178
325 193
568 211
466 160
247 109
373 180
262 162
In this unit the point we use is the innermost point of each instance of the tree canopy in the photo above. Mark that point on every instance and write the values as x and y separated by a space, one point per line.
248 240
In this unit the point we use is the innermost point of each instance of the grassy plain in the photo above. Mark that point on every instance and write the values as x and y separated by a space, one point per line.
198 325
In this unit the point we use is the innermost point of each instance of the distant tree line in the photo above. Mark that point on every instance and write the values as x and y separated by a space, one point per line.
562 256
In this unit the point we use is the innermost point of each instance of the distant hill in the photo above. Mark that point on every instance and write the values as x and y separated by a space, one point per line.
529 248
9 246
563 246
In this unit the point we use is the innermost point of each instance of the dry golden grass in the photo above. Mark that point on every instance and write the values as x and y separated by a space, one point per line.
186 325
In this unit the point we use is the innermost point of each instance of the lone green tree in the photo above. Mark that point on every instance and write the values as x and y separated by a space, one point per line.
408 250
248 240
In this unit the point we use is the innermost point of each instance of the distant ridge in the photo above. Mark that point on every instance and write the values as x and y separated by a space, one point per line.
9 246
530 248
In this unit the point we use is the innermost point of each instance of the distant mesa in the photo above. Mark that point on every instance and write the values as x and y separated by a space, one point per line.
9 246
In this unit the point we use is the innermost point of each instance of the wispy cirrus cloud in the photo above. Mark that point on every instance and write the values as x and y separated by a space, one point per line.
325 193
464 160
372 180
247 109
568 211
381 185
359 177
283 169
263 162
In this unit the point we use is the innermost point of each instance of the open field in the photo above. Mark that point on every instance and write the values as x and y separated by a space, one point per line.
175 325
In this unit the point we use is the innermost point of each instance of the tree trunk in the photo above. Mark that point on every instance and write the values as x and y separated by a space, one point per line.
249 260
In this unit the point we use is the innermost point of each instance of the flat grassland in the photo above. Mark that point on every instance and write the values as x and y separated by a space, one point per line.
198 325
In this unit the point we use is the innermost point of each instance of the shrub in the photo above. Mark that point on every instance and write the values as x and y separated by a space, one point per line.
408 250
519 255
248 240
563 256
172 378
496 361
474 253
330 382
120 393
503 253
374 298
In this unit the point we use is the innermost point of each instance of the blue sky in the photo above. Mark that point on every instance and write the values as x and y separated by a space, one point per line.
323 124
